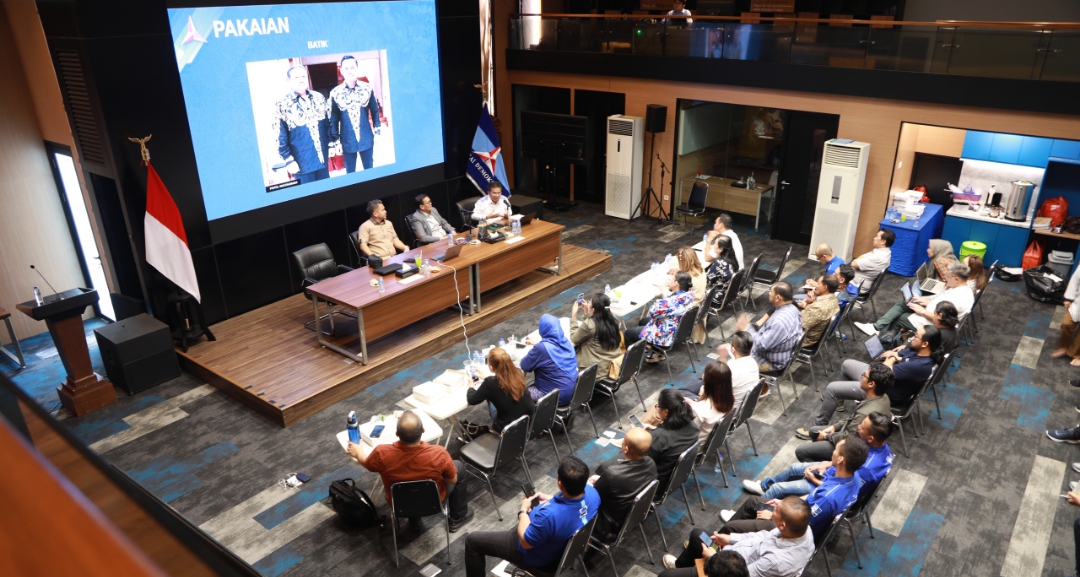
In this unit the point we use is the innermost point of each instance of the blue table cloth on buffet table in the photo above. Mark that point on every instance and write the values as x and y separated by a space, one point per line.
913 238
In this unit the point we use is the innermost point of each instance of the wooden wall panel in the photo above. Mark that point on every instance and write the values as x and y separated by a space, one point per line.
940 140
869 120
905 157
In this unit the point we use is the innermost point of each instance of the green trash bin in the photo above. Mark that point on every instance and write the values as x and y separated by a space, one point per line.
972 247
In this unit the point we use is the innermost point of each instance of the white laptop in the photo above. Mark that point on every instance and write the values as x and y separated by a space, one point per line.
927 283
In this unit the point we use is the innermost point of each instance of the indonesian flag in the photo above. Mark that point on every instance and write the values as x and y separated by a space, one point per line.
166 243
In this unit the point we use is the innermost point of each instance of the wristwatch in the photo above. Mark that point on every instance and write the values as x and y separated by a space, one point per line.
522 511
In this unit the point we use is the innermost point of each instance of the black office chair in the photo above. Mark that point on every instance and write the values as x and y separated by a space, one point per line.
583 392
465 207
354 242
543 418
632 361
638 511
695 205
316 263
484 455
417 499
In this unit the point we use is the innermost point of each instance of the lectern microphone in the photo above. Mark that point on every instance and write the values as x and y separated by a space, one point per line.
58 295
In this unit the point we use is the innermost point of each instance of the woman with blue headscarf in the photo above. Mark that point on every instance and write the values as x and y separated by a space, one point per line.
552 361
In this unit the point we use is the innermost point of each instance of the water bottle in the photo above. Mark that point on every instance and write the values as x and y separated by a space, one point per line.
477 359
382 285
353 427
450 240
37 296
427 267
705 240
515 227
607 289
502 343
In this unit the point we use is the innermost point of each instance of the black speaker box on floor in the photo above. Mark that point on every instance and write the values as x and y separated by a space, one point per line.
138 353
655 118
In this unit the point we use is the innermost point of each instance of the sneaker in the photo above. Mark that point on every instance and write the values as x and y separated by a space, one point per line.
1075 382
726 515
1073 485
1077 408
1076 467
866 328
669 561
1065 435
840 407
753 487
456 524
803 433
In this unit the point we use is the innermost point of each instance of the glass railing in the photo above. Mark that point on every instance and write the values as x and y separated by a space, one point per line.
1033 51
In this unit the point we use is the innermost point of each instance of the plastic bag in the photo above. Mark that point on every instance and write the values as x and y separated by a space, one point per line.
1033 256
1056 208
1042 286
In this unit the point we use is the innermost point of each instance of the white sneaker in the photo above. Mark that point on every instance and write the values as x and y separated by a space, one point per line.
727 514
752 487
867 328
1076 467
1073 485
669 561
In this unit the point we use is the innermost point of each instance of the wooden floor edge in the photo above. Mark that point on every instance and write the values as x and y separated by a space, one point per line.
230 388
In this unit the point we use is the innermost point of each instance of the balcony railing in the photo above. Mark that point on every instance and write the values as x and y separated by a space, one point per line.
1016 50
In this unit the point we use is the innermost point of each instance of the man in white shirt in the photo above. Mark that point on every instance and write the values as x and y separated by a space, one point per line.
678 8
723 226
493 206
744 369
870 265
923 309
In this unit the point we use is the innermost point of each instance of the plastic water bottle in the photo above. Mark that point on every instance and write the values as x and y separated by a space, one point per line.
450 240
477 359
382 285
705 240
502 343
515 227
37 296
353 427
607 289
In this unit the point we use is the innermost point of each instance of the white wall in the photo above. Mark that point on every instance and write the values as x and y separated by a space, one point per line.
994 10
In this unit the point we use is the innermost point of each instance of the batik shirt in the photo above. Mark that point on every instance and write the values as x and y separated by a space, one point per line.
303 130
719 273
349 121
665 315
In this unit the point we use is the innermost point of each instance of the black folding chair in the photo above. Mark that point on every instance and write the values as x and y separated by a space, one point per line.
807 355
631 366
767 278
543 418
486 454
695 206
867 296
838 330
859 510
731 295
905 411
417 499
747 280
583 392
820 547
746 410
638 511
703 316
717 437
575 548
682 337
678 478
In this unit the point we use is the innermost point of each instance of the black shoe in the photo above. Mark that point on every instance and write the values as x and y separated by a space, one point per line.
456 524
1075 382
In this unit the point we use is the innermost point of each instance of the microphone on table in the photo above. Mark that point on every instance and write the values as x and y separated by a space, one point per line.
59 297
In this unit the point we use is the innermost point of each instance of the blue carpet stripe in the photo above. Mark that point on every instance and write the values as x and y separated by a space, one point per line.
1039 323
170 480
102 424
312 492
908 553
278 562
41 377
712 487
613 246
952 399
1034 401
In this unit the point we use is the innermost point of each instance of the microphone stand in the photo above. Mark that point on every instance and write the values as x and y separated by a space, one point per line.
663 216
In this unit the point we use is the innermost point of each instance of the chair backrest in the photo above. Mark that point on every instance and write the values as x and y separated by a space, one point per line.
698 195
577 544
583 390
315 262
718 435
465 207
635 356
751 271
749 404
866 494
415 498
543 416
682 469
512 441
825 536
638 511
706 303
734 286
354 242
686 326
783 263
865 295
844 312
825 335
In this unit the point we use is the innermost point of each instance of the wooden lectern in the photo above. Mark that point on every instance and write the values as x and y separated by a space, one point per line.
83 390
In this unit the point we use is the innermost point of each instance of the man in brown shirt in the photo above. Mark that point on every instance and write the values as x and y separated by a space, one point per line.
410 459
818 308
377 235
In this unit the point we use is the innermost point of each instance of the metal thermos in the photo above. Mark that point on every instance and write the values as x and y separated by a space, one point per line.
1017 201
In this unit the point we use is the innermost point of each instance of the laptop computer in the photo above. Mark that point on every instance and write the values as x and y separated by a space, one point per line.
527 219
450 253
910 291
926 282
873 346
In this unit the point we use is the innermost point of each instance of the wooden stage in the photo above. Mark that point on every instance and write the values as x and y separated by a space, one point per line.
268 361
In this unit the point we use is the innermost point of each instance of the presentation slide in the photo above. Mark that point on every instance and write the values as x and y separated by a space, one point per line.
291 100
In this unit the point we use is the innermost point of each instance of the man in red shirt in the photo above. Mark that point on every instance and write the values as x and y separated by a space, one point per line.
410 459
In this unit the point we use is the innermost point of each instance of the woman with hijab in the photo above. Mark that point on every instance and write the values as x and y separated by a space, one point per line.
941 256
552 361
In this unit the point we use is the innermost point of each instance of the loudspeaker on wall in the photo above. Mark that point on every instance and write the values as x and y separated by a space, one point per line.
655 118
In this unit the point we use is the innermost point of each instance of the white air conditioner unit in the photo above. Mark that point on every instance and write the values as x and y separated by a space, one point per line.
839 196
625 158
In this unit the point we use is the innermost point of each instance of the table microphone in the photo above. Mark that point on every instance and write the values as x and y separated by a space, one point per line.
59 297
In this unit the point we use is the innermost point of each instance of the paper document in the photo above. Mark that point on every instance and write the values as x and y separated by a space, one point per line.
515 239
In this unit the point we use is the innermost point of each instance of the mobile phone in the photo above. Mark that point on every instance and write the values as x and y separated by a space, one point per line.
636 422
529 491
817 474
705 539
581 298
302 478
377 431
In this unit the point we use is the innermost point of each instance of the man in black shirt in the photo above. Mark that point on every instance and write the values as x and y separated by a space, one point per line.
619 480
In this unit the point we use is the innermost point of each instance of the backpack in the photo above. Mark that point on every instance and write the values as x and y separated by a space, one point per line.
353 505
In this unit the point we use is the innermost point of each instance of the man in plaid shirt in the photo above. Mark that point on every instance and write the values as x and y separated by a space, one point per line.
774 340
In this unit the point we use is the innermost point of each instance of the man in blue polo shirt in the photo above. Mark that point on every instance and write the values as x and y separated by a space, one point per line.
542 532
799 479
838 490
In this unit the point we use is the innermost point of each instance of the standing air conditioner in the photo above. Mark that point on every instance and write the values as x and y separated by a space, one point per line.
625 155
840 189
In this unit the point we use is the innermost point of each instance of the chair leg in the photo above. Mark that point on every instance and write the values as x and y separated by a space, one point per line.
446 519
691 357
851 531
566 433
813 375
903 438
641 528
618 415
551 435
393 527
686 501
780 393
592 420
870 526
525 466
936 403
828 567
720 461
667 363
639 396
699 493
493 499
663 538
752 443
731 461
611 560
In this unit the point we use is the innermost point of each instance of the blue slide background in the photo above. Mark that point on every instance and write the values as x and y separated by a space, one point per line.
217 94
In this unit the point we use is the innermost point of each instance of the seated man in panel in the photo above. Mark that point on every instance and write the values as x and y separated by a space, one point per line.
410 459
427 224
722 226
875 381
377 235
494 206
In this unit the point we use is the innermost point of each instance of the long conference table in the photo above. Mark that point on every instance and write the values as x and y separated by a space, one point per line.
477 269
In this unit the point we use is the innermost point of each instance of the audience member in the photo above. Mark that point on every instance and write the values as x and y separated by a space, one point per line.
946 321
689 263
782 551
977 276
504 391
870 265
941 256
1069 339
710 401
494 206
678 8
721 270
818 309
542 532
427 224
664 317
744 369
552 362
675 433
824 255
722 227
846 289
875 381
1073 498
377 236
620 479
410 459
919 311
800 478
774 340
596 336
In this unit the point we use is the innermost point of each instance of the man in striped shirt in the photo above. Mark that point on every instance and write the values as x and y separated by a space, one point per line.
775 339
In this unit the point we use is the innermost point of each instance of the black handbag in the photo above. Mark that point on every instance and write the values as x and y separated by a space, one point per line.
1044 284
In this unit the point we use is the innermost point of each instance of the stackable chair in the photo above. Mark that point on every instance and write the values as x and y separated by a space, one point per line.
631 366
703 317
859 511
695 206
543 418
717 437
767 278
486 454
808 354
773 377
867 296
730 297
820 547
682 337
746 410
678 478
638 511
583 392
575 548
747 280
417 499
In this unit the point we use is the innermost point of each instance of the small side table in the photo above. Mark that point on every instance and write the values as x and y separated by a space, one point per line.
17 356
